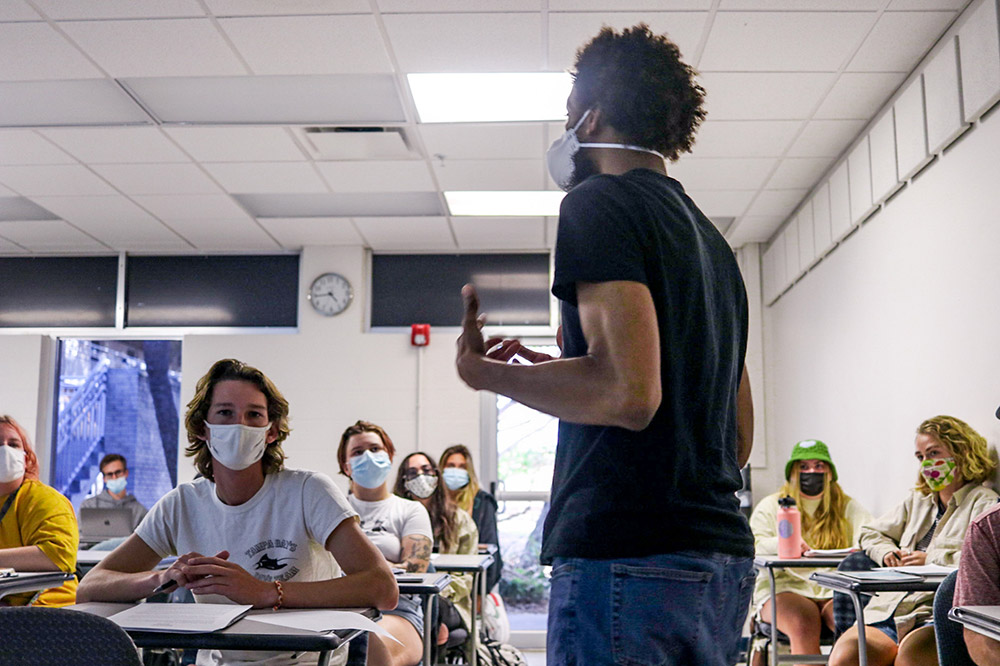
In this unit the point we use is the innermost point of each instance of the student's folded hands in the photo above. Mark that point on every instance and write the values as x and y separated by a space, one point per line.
217 575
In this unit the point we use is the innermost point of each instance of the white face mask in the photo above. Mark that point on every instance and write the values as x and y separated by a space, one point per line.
422 486
559 157
11 464
237 446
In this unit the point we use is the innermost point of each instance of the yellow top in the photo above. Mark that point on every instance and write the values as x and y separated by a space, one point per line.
40 516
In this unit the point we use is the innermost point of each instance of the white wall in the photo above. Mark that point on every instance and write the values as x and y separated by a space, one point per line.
898 324
331 372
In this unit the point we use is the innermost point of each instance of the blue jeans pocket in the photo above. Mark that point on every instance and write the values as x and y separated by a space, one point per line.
656 613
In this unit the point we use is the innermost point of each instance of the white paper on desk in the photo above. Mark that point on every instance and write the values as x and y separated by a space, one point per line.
322 621
925 569
829 552
185 618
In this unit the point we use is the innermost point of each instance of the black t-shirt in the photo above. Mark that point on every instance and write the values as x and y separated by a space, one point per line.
671 487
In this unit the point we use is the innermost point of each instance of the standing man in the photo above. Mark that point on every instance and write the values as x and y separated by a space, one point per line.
652 560
115 496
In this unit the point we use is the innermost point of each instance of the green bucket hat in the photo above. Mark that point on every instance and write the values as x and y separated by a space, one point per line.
810 449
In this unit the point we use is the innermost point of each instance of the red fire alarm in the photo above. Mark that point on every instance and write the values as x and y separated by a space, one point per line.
420 335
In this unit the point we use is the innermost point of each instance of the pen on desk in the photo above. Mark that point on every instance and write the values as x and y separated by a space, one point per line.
163 588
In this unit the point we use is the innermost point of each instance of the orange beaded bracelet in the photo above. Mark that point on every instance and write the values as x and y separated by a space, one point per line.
281 595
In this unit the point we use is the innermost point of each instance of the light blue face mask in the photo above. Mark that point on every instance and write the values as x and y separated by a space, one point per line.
455 477
116 485
370 469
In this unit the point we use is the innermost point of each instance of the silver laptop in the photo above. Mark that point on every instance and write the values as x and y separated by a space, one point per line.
99 524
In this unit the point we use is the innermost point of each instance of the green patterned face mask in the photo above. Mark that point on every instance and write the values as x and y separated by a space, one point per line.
938 472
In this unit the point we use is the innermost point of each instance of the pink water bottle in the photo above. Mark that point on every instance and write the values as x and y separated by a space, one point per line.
789 529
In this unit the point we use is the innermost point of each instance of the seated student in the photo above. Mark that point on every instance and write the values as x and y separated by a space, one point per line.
463 489
37 526
830 519
454 531
114 469
926 528
249 530
399 528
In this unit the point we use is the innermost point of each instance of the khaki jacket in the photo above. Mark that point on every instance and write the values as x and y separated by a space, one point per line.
902 527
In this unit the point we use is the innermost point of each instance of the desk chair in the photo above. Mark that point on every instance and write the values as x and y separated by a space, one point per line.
60 637
948 633
759 644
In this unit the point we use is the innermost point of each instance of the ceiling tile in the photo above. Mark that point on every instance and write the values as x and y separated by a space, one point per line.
507 175
157 178
119 9
17 10
35 51
799 172
237 144
897 5
76 102
224 234
169 47
4 192
9 248
466 42
717 203
299 232
21 209
499 233
630 5
265 7
806 5
416 6
118 145
776 202
899 40
406 233
115 221
463 141
569 31
49 236
64 179
760 96
26 147
372 176
265 177
858 95
745 138
309 44
191 206
710 173
825 138
783 41
754 229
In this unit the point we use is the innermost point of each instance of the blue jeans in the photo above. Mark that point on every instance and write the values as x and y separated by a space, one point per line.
679 608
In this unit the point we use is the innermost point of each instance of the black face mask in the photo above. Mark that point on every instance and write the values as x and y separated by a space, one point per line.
812 483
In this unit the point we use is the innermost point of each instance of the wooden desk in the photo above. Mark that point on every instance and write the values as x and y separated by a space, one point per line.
428 586
975 619
32 581
769 563
244 634
855 588
477 566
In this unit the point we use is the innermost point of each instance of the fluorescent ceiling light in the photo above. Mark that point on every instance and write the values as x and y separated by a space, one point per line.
76 103
349 204
19 209
362 99
505 204
498 97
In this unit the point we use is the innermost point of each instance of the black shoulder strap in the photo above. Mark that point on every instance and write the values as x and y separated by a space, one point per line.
9 502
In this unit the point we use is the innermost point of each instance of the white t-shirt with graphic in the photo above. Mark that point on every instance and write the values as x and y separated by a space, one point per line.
387 521
278 534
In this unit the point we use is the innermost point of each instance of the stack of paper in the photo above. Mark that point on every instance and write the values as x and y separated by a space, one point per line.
183 618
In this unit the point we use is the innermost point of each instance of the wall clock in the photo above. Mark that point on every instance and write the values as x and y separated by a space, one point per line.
330 294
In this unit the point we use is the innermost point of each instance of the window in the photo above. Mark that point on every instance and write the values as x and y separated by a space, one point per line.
117 396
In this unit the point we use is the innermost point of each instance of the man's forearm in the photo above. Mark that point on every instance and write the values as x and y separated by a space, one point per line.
744 420
26 558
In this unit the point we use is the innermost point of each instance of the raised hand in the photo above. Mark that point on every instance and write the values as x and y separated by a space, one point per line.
471 346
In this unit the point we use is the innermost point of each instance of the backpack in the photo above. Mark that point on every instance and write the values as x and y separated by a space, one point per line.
492 653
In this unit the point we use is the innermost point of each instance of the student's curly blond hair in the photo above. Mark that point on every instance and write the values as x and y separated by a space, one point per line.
967 446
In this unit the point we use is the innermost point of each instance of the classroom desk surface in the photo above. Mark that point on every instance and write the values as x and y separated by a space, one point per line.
32 581
427 585
770 563
477 566
244 634
983 620
855 588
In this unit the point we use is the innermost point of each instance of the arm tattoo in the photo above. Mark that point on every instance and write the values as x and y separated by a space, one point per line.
418 555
